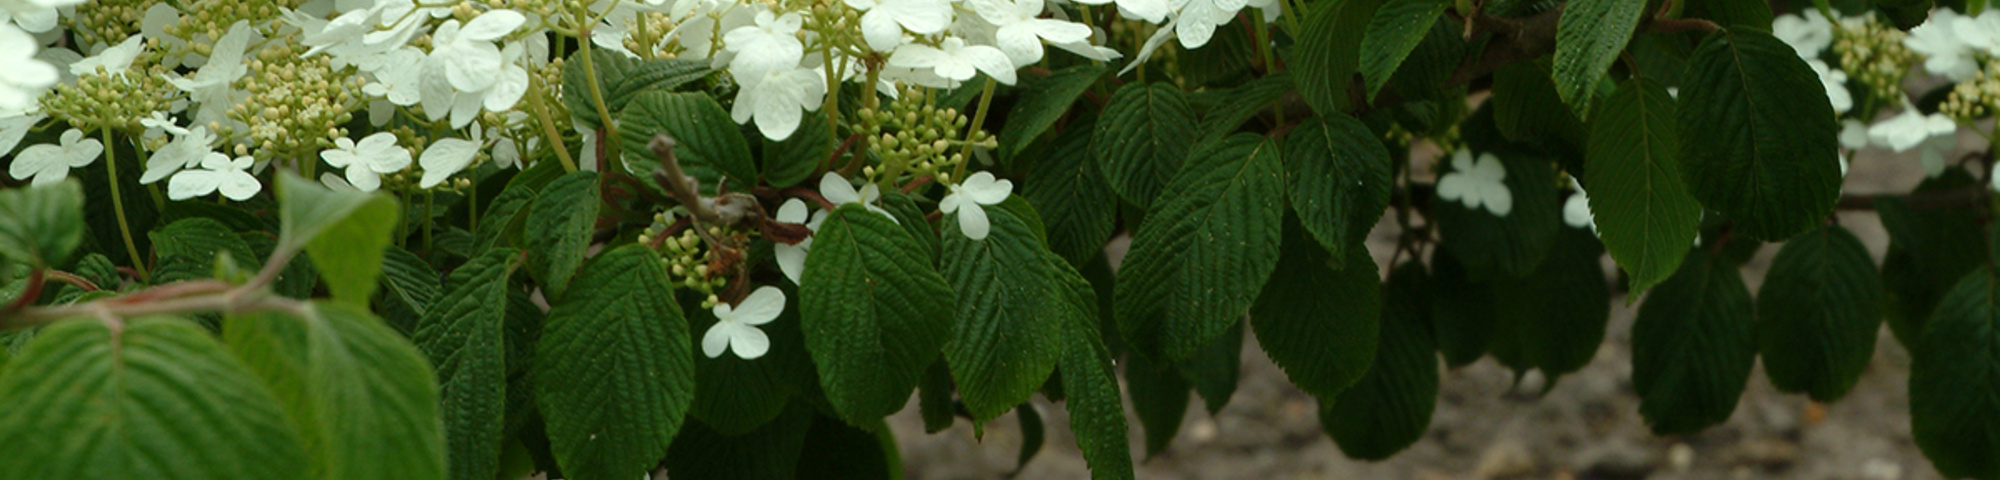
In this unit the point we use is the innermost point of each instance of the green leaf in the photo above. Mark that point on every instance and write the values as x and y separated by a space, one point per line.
463 336
734 396
560 224
1693 346
874 310
1554 319
1141 139
200 241
667 74
40 226
502 223
1160 396
608 68
1242 103
362 397
708 144
769 452
1073 198
1588 39
1461 310
1393 32
344 232
1768 156
911 217
794 159
934 401
158 398
1746 14
837 451
1214 369
1032 435
1004 340
1390 407
1525 106
1337 178
409 287
1643 210
1929 249
1044 100
1090 387
616 371
1328 52
1491 245
1817 314
1320 324
1953 372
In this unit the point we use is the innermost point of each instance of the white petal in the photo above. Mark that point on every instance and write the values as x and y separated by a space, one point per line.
192 183
749 342
363 179
791 260
446 158
761 307
990 60
972 221
836 190
508 88
881 31
1498 199
491 25
716 340
792 211
237 185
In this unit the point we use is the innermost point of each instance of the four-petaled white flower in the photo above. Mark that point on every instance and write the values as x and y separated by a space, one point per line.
1477 183
883 24
837 191
186 151
967 197
367 160
161 122
1196 21
736 326
953 60
115 60
1943 47
776 99
217 174
1021 33
51 163
1909 129
465 71
210 86
24 77
771 44
792 258
446 157
1809 33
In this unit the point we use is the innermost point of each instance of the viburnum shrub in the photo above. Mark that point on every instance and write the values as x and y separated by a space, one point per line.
396 239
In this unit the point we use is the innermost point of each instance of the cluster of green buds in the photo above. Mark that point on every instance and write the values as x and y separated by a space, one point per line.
107 22
913 136
113 100
212 18
1974 99
685 257
294 105
648 31
1873 54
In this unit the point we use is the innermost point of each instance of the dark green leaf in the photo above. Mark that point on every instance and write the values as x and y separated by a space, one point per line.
1693 346
1005 338
1817 314
934 398
1337 177
874 310
734 396
770 452
1492 245
1390 407
708 144
561 221
1554 320
409 287
608 68
1318 323
1953 374
1160 396
201 241
1525 105
1394 31
1141 139
1213 370
1242 103
1768 156
1042 101
1090 388
40 226
668 74
1071 194
1328 52
837 451
1588 39
794 159
463 337
1644 212
1929 249
1461 310
616 371
1031 435
1743 14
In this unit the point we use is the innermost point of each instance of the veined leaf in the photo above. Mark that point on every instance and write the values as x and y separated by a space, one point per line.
733 396
708 144
1071 194
1318 323
1242 103
1090 387
41 226
1588 39
1329 53
1004 341
1206 249
409 288
1554 319
1817 314
1395 30
1214 369
874 310
158 398
1524 107
1953 372
1929 249
561 221
1337 178
608 68
1644 212
1390 408
1693 346
1043 100
1160 396
1142 138
1768 156
794 159
463 337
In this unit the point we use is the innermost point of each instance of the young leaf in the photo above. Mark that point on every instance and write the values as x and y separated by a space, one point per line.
1818 313
1043 100
464 339
1693 346
1160 396
708 143
1768 156
1032 435
1953 372
1318 323
1090 387
1644 212
561 221
344 232
40 226
615 370
1328 52
1395 30
1004 340
1199 260
1390 407
363 398
158 398
1337 178
1071 194
1141 138
1588 39
874 310
1554 320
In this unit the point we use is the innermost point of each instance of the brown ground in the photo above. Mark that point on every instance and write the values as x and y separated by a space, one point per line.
1587 427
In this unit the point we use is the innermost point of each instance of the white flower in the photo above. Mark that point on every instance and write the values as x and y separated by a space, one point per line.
883 24
14 127
1809 34
1907 130
1943 47
1576 210
368 159
1931 154
837 191
33 15
210 86
186 151
967 197
51 163
771 44
1853 134
401 86
955 61
1020 33
1981 33
736 327
792 258
1835 82
445 158
1197 19
24 77
115 60
776 97
1477 183
217 174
